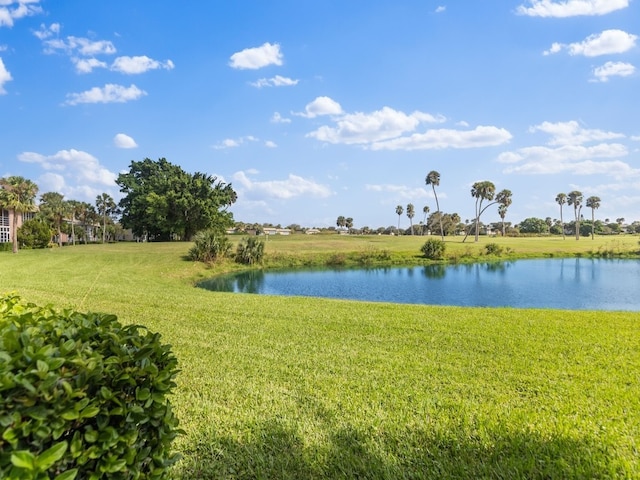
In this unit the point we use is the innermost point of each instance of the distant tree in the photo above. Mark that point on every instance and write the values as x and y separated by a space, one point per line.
620 221
348 222
561 199
161 199
17 194
411 212
399 211
55 209
482 191
575 198
34 233
106 207
425 211
533 225
433 179
593 203
341 222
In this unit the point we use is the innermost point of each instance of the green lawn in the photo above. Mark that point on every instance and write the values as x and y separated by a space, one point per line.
296 388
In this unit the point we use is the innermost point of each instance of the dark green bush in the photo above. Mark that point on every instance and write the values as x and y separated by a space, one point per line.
493 249
434 249
250 251
34 234
82 396
210 245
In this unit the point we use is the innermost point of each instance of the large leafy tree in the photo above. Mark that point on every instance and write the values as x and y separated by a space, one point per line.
161 199
17 194
575 198
433 179
561 199
593 203
55 210
106 208
411 212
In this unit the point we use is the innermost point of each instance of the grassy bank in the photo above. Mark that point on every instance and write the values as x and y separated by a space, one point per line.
277 387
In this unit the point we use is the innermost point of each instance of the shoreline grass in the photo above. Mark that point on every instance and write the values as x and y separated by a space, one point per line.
290 387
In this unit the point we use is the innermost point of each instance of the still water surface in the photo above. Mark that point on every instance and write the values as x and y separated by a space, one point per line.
576 284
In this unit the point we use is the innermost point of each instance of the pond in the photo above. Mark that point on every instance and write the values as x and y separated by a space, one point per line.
574 284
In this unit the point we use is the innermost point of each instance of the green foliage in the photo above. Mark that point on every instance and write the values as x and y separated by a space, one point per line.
533 225
161 199
493 249
81 396
210 245
434 249
5 247
34 234
250 251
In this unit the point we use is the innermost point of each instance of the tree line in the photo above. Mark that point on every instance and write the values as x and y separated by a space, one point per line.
161 202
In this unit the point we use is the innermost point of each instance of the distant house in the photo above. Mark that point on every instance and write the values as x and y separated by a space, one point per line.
276 231
6 223
312 231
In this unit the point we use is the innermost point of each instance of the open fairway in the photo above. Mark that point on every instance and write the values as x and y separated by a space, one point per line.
284 387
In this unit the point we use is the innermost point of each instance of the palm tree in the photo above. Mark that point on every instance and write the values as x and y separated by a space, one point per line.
17 194
75 210
348 222
433 179
561 199
481 191
106 207
502 211
341 222
593 203
55 209
399 211
575 198
425 210
411 212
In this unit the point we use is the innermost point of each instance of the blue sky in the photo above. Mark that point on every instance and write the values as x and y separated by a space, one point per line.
316 109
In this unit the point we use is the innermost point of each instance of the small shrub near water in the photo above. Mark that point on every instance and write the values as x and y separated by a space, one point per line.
210 245
82 397
434 249
250 251
493 249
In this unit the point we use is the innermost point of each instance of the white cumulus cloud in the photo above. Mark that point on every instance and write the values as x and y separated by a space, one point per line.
110 93
293 186
604 43
321 106
122 140
571 133
257 57
613 69
570 8
86 65
139 64
481 136
5 77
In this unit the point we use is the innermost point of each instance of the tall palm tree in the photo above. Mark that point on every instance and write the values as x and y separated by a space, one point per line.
341 222
106 207
561 199
481 191
411 212
348 222
399 211
433 179
17 194
575 198
502 211
55 209
425 210
593 203
75 210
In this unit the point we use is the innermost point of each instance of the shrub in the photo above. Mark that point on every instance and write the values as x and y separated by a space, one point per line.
210 245
34 234
493 249
250 251
81 396
433 249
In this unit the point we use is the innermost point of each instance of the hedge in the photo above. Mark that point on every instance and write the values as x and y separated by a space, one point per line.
82 396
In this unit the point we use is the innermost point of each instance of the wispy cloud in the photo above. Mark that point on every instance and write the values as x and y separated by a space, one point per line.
257 57
234 142
277 118
291 187
277 81
11 10
139 64
110 93
570 8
